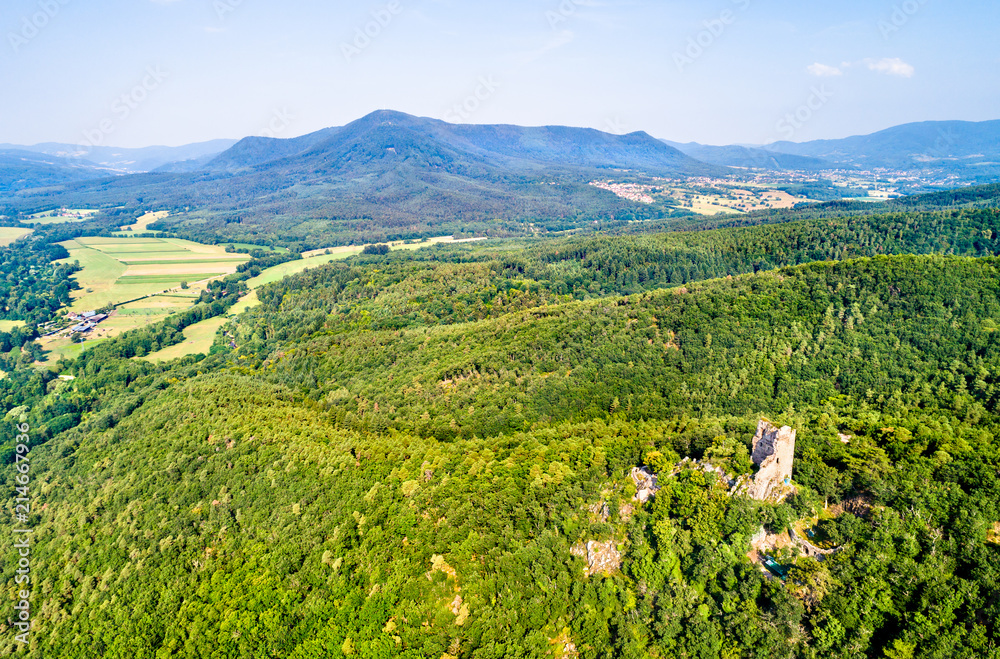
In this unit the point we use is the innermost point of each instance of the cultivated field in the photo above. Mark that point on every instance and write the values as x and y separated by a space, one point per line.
127 317
143 275
117 270
56 349
10 234
247 302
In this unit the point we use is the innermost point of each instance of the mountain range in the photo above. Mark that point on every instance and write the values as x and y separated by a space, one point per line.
970 149
394 137
390 175
915 146
21 170
751 157
119 160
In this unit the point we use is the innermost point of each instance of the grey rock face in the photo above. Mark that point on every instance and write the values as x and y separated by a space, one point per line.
774 453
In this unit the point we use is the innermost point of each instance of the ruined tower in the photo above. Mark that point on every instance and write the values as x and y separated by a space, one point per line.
773 452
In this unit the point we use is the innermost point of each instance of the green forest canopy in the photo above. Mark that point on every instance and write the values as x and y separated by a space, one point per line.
400 450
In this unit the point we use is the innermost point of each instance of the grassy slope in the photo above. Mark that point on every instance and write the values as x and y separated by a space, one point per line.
141 224
198 338
294 267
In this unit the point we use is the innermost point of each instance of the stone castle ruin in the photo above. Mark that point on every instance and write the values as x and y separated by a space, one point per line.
774 453
646 485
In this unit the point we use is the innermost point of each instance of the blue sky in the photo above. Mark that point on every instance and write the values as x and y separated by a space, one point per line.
141 72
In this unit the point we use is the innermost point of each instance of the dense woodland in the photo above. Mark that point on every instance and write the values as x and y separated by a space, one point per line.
394 454
33 288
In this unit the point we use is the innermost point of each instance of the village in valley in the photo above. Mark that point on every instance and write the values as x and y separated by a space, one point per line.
752 190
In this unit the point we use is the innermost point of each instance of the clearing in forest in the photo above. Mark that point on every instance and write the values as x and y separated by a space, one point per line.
198 338
61 216
142 224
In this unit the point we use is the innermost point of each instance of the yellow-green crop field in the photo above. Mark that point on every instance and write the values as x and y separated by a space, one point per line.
10 234
117 270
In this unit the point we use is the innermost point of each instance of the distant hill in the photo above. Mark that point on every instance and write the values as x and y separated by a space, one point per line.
390 175
253 151
123 160
506 146
20 170
750 157
964 147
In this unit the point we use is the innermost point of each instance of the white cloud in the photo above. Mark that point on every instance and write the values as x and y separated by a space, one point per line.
892 66
823 70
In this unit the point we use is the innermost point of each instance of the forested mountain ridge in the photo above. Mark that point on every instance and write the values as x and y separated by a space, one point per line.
21 170
961 146
328 328
752 157
124 160
399 453
390 176
942 149
254 151
501 145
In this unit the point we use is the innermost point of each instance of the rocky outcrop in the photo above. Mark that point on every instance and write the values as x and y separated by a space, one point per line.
601 557
773 453
645 484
